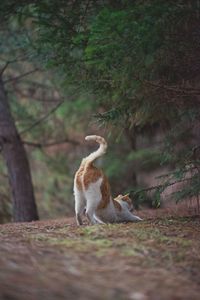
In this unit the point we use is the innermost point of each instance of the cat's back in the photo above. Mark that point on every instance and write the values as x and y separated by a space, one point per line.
86 175
91 174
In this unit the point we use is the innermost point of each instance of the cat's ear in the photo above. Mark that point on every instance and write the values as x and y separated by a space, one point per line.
126 198
127 195
118 196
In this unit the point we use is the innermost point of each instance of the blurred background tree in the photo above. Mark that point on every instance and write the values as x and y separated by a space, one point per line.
125 69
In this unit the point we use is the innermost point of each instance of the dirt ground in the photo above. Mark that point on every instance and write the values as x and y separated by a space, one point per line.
156 259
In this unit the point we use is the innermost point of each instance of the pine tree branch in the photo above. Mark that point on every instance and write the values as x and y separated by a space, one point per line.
181 90
176 89
159 186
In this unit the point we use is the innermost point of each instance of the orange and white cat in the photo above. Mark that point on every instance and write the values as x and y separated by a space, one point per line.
92 192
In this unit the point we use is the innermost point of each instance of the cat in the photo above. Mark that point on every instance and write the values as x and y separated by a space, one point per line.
92 192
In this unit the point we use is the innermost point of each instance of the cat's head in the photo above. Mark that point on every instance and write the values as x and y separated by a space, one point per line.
127 200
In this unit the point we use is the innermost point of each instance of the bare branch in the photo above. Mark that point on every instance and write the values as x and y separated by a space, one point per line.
38 84
41 99
42 119
159 186
4 68
7 62
45 145
20 76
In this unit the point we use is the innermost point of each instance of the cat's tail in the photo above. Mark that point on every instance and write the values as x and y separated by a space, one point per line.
100 151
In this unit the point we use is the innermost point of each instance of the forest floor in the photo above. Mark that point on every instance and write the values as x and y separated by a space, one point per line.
156 259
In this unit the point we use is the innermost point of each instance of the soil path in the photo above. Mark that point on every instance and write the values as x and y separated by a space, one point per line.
155 259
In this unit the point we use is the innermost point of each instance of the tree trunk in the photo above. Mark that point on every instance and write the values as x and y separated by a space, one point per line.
24 207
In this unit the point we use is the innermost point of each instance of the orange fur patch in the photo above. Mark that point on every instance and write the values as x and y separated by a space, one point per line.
78 177
105 191
86 174
91 174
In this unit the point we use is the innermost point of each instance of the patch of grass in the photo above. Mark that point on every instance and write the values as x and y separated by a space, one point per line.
151 233
82 242
134 250
95 246
150 244
90 231
39 237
